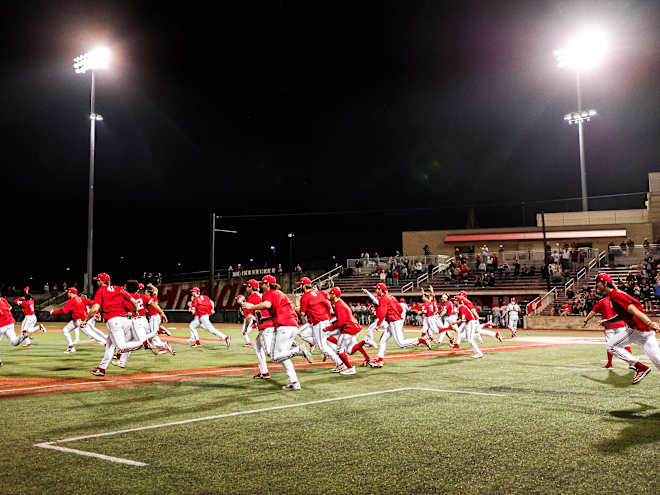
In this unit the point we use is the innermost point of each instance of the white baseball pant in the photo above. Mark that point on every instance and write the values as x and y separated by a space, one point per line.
28 325
469 330
9 331
306 332
513 324
206 324
394 329
248 324
263 345
89 330
118 328
321 340
619 338
281 351
375 326
429 326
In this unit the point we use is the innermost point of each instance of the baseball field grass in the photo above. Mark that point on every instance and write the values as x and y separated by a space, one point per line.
544 419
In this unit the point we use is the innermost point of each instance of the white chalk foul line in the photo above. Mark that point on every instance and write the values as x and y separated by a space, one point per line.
52 446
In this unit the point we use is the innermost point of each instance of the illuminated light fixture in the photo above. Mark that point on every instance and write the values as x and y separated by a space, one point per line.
583 52
580 117
99 58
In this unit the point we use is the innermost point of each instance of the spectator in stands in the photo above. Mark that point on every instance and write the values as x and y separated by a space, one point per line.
630 244
555 309
395 277
623 246
358 266
482 267
419 269
565 259
299 268
646 245
46 288
427 250
383 276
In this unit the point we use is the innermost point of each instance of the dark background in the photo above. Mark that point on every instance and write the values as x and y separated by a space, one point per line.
274 107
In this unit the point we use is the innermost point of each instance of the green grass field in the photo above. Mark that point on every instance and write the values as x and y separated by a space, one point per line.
544 420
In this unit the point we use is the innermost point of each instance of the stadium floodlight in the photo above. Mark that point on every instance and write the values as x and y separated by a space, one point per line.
99 58
583 52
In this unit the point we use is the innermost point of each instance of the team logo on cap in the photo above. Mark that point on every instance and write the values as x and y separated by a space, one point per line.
102 277
335 291
304 281
269 279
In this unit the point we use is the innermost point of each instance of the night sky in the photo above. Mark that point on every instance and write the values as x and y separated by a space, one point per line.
294 107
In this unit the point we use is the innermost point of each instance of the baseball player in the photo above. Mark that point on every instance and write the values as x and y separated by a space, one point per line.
393 312
155 313
348 327
479 329
429 324
405 308
202 307
7 325
249 321
26 303
468 325
606 311
513 312
378 322
315 306
497 312
286 329
77 306
639 328
448 319
109 300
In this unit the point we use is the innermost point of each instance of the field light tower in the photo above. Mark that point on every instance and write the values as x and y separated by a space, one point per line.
97 59
583 52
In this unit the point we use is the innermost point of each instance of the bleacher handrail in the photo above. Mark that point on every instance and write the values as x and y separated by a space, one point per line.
569 284
322 278
407 287
544 303
422 278
581 273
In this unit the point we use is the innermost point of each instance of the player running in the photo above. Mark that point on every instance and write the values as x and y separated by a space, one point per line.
479 328
348 327
447 318
109 300
203 308
639 328
77 307
26 303
155 313
315 306
513 313
468 325
7 325
606 311
286 329
249 319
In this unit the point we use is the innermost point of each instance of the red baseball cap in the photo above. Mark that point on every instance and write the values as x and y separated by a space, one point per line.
605 278
73 290
382 287
27 289
195 289
336 291
462 293
102 277
268 279
304 281
251 283
402 300
140 286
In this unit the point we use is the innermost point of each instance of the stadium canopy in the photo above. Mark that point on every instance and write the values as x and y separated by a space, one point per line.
534 236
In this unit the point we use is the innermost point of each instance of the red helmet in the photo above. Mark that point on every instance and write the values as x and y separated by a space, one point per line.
252 283
73 291
335 291
195 289
382 287
605 278
305 281
268 279
102 277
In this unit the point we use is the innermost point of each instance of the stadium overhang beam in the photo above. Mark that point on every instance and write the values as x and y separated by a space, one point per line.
535 236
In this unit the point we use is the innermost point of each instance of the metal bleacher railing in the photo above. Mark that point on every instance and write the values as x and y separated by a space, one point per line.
322 279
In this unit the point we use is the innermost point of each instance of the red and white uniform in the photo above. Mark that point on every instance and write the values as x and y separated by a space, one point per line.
29 317
512 315
202 307
7 324
468 327
249 319
348 327
315 305
263 344
429 323
78 307
395 326
634 331
379 311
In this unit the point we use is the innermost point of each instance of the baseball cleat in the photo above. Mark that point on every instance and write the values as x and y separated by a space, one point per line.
325 357
27 344
640 374
98 372
168 348
608 366
292 386
249 344
427 343
164 331
498 336
228 341
378 363
631 367
337 369
196 344
304 350
261 376
118 364
42 328
70 350
477 356
455 346
349 371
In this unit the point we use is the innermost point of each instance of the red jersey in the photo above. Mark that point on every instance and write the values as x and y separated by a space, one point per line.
381 309
428 308
464 313
142 301
620 302
6 318
315 305
111 299
281 309
151 311
77 306
346 321
202 305
394 309
448 306
604 307
27 305
254 298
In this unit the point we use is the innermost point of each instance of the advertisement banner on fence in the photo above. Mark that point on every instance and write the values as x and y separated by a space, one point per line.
177 295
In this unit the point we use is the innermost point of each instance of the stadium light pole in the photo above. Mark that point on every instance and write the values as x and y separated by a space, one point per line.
214 229
98 58
581 53
291 235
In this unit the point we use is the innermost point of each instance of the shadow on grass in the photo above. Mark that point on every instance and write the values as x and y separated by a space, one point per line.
640 429
613 379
